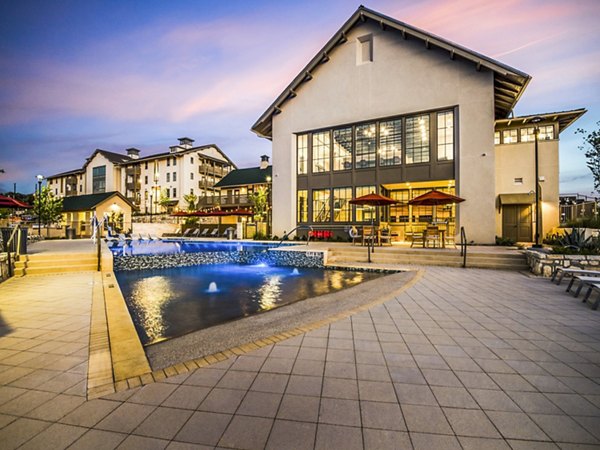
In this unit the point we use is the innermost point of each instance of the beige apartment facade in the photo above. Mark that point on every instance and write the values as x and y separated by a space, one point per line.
389 108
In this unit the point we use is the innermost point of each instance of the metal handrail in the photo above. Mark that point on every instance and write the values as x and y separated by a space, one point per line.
299 227
463 246
7 246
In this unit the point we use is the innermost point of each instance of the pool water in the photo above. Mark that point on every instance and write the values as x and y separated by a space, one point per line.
165 303
141 247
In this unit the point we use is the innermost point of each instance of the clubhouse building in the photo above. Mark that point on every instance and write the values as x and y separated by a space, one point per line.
385 107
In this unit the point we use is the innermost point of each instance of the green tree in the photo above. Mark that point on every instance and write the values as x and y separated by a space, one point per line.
48 207
259 204
592 153
191 199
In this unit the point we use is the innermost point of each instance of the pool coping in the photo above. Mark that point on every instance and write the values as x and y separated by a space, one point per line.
117 360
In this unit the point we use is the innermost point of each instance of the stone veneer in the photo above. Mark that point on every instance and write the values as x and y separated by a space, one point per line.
271 257
542 263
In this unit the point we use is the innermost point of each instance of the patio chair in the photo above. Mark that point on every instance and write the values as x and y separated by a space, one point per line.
432 234
354 235
214 233
561 272
187 232
385 236
204 232
417 237
196 232
369 235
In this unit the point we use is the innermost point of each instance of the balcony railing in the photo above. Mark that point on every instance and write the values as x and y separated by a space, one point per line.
239 200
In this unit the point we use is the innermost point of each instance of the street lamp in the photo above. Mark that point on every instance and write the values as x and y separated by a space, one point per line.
536 132
39 194
268 179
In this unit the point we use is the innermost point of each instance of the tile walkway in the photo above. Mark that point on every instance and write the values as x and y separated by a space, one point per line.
465 359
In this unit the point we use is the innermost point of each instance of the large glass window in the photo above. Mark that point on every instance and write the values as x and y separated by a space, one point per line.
302 149
364 213
321 152
546 132
342 149
302 207
390 143
342 212
321 206
99 179
445 136
417 139
527 134
366 145
509 136
496 138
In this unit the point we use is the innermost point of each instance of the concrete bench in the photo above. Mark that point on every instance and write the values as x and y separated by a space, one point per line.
560 272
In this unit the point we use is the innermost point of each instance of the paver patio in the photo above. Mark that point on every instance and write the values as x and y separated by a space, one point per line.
465 358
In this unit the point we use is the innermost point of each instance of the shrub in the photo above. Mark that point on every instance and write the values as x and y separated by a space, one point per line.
504 241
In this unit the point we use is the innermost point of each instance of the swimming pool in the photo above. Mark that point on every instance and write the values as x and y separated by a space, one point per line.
137 247
167 303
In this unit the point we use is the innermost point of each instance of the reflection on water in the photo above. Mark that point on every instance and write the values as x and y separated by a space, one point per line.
165 303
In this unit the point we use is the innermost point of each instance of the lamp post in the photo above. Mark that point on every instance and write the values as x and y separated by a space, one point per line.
536 132
268 179
39 194
151 192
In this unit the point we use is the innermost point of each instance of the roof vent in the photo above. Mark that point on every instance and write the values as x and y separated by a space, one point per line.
264 162
185 142
133 153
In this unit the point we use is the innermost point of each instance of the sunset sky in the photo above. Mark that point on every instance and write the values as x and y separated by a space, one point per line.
81 75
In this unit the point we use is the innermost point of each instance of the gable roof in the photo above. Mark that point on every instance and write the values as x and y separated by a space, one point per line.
509 83
243 177
89 201
115 158
67 173
564 118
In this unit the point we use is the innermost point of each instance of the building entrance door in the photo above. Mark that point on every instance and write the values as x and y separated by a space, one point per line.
516 222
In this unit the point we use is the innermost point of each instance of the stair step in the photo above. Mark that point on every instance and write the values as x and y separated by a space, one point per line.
58 269
51 263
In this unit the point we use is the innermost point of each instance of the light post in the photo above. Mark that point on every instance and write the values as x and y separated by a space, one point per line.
268 179
39 194
536 132
151 192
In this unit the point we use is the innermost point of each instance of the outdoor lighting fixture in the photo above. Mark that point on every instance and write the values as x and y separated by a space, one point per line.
39 193
536 132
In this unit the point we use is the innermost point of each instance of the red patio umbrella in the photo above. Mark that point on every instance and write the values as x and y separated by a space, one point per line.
435 198
9 202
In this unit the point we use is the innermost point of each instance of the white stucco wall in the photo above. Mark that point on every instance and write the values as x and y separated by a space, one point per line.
404 78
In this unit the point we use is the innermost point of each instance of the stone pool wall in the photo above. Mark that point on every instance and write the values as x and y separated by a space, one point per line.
271 257
544 264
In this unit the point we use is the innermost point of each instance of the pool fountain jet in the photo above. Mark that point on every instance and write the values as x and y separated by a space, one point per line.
295 272
212 288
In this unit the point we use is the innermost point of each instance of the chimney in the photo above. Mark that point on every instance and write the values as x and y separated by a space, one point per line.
133 153
186 143
264 162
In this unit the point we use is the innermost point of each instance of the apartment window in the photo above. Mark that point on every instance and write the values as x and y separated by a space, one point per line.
364 49
174 176
168 162
390 142
546 132
518 180
445 136
364 213
321 206
496 138
321 149
81 188
342 149
302 206
55 191
302 153
146 165
509 136
191 191
168 177
191 160
167 192
366 145
174 192
342 212
145 179
191 175
527 134
174 161
99 179
417 139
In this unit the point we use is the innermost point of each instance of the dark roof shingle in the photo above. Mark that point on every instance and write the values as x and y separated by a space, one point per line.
242 177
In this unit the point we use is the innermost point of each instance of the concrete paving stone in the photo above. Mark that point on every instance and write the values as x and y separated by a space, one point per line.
496 366
6 419
22 404
90 412
56 436
249 363
591 424
340 334
278 365
588 370
529 445
337 436
174 445
426 441
54 409
462 364
475 443
340 412
370 357
313 341
340 355
121 396
125 418
281 351
98 440
340 370
237 380
510 353
176 379
299 407
526 367
470 422
270 382
364 344
451 350
547 383
534 402
494 400
248 433
425 419
385 416
340 344
431 362
385 439
437 377
153 394
512 382
312 353
376 391
260 404
62 382
562 428
222 400
516 425
206 376
163 423
7 393
34 379
142 442
304 385
20 431
477 380
395 347
340 388
204 428
454 397
399 359
291 435
370 372
581 385
309 367
186 397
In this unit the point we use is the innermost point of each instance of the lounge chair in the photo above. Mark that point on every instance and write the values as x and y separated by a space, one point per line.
226 231
196 233
187 232
153 238
561 272
214 233
593 287
204 232
583 281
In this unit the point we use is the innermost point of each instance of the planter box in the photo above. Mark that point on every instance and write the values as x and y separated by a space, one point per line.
544 264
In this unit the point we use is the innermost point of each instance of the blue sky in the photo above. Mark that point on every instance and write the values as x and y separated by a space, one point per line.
81 75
